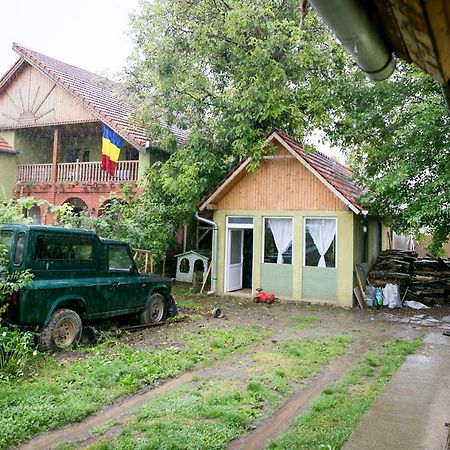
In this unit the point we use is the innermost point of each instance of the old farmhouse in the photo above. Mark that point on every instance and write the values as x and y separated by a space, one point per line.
51 116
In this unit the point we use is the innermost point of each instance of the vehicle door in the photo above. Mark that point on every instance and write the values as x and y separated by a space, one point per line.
126 289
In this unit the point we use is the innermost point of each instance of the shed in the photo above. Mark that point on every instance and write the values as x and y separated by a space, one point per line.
293 227
188 263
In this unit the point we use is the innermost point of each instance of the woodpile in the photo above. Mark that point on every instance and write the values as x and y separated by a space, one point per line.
425 280
430 283
393 266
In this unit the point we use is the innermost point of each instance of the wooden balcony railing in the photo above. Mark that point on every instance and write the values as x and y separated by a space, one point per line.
37 173
77 172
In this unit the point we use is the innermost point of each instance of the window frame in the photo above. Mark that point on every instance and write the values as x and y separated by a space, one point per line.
336 238
116 270
291 218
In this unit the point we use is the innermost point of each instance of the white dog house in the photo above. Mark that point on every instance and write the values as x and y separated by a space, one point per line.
188 263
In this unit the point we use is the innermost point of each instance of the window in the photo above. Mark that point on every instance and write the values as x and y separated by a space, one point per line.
119 258
20 244
241 220
320 242
63 248
278 240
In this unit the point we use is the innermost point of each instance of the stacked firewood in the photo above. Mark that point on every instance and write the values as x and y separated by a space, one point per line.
430 284
393 266
425 280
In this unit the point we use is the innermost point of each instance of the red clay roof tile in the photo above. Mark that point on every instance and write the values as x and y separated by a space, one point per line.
5 147
106 99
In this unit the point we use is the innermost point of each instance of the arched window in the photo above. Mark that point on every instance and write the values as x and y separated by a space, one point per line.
78 205
35 214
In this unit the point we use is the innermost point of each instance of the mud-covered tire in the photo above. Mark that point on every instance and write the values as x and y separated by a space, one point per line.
155 312
62 330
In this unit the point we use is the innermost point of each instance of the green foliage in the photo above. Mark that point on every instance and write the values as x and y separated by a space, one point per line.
335 413
16 210
16 351
10 281
231 71
397 133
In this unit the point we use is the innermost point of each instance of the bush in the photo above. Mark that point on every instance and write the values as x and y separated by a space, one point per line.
16 349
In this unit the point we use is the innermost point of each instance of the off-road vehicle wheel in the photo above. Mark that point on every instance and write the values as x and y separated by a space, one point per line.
62 331
155 311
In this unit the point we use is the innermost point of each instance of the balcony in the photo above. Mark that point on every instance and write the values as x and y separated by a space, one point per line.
77 172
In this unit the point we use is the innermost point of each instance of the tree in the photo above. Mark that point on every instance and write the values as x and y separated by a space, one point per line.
397 134
231 70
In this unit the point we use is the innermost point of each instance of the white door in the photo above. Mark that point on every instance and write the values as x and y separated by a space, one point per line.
235 259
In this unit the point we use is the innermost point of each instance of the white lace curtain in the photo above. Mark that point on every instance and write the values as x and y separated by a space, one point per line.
322 232
282 235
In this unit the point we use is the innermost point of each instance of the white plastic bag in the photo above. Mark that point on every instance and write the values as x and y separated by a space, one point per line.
391 294
415 305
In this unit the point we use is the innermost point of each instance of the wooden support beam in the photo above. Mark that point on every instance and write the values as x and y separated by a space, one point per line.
56 138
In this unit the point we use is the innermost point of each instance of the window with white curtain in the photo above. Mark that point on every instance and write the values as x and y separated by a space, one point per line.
320 242
278 240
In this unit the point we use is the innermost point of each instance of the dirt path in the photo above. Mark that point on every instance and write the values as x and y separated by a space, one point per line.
367 327
281 420
118 413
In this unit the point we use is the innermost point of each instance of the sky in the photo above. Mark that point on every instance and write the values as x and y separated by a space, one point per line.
91 34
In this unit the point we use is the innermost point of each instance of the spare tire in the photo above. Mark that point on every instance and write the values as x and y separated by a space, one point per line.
62 330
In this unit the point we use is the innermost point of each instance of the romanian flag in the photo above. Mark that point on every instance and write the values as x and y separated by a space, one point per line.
111 144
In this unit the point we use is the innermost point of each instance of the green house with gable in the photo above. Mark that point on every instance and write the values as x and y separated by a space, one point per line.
294 227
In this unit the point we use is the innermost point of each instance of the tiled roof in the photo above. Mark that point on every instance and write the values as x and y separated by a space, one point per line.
338 176
107 100
5 147
335 173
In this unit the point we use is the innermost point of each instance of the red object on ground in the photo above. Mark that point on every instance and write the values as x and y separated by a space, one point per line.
264 297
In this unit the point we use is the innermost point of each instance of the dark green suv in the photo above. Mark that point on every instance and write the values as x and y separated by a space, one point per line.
78 278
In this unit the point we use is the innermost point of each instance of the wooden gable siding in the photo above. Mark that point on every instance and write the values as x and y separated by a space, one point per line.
280 185
31 99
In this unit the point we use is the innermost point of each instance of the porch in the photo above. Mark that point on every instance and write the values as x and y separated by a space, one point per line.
76 172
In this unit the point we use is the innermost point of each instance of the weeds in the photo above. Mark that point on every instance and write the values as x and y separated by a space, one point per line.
16 352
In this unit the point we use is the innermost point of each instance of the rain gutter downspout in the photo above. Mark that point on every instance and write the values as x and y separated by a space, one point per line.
358 35
214 250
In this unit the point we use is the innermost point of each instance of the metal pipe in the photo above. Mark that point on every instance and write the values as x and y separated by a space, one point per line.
358 35
214 250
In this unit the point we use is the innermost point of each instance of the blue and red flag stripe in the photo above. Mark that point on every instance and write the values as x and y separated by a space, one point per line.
111 145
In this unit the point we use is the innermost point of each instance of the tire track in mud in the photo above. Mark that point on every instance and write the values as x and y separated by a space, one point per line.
282 419
83 433
118 413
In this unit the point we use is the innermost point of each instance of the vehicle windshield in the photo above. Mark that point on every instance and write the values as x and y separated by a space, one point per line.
6 238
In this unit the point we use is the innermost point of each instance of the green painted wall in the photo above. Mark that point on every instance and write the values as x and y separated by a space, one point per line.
340 292
277 278
320 283
147 159
8 175
34 146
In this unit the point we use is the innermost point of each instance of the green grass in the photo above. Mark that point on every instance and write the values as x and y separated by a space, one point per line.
304 322
64 392
212 412
336 412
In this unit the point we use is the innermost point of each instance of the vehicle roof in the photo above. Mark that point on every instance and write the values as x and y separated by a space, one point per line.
111 241
46 228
